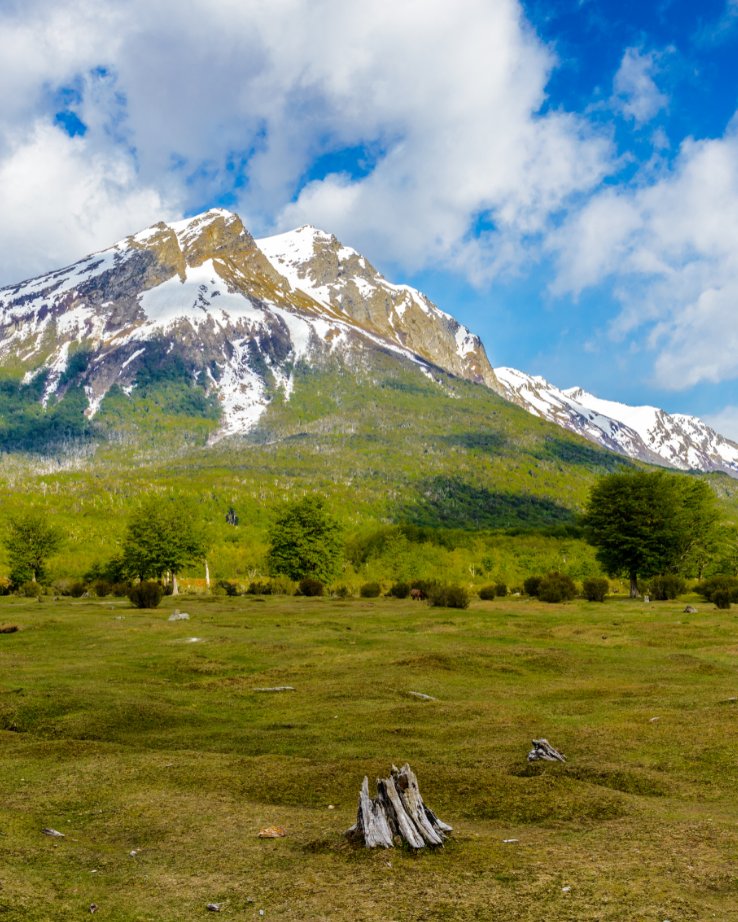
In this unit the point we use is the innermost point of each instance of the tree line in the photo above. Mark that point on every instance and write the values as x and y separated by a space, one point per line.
642 525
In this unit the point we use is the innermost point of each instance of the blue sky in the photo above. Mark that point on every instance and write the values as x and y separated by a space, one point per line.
561 175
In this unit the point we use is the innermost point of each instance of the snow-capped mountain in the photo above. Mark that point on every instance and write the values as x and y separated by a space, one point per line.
647 433
239 313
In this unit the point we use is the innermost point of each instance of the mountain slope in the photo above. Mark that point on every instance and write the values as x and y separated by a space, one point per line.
645 433
336 275
196 306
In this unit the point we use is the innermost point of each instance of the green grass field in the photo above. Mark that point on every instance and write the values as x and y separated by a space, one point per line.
156 758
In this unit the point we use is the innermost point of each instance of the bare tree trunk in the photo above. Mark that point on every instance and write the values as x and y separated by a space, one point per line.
175 584
633 586
207 575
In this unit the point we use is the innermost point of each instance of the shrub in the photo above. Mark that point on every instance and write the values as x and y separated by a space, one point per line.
370 590
399 590
77 589
282 585
146 594
342 592
487 592
595 588
500 590
4 585
120 590
260 587
310 586
30 590
449 597
230 588
102 587
709 587
721 598
532 585
556 587
666 587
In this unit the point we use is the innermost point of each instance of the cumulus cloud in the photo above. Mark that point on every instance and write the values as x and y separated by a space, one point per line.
186 104
66 200
636 92
671 248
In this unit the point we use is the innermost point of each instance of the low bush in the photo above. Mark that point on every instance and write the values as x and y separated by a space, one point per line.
663 588
500 590
310 586
77 589
260 587
282 585
370 590
487 592
399 590
721 598
449 597
30 590
341 592
120 590
556 587
531 585
147 594
102 587
721 584
595 588
228 586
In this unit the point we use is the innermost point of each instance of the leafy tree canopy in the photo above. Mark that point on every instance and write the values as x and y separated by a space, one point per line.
30 541
164 535
647 524
306 540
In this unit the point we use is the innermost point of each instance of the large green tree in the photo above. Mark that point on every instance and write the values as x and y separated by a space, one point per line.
30 541
164 535
306 540
644 524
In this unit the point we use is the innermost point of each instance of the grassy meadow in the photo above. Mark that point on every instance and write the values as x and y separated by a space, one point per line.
145 743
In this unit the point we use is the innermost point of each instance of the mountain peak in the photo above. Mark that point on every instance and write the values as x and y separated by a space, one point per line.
643 432
238 316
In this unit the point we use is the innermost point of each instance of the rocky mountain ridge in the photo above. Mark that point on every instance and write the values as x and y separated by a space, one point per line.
239 313
645 433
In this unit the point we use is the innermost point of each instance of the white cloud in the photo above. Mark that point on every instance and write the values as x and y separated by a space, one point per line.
193 96
66 200
671 250
725 422
636 92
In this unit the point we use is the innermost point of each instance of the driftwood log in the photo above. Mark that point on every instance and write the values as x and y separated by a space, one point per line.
397 810
543 751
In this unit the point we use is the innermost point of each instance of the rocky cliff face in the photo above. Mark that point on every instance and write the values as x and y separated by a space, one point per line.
334 274
234 311
646 433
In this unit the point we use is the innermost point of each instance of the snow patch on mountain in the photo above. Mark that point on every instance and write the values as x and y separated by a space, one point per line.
642 432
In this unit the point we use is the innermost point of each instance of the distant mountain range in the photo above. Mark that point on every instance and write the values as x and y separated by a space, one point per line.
203 318
645 433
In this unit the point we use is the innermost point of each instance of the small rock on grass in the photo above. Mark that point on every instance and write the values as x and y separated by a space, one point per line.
272 832
214 907
54 833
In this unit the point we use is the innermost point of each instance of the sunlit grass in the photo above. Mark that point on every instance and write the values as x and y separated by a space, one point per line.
126 735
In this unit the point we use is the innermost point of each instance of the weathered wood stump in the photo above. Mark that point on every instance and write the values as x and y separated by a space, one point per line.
543 751
397 810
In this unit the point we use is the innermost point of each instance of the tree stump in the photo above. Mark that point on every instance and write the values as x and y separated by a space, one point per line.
397 810
543 751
